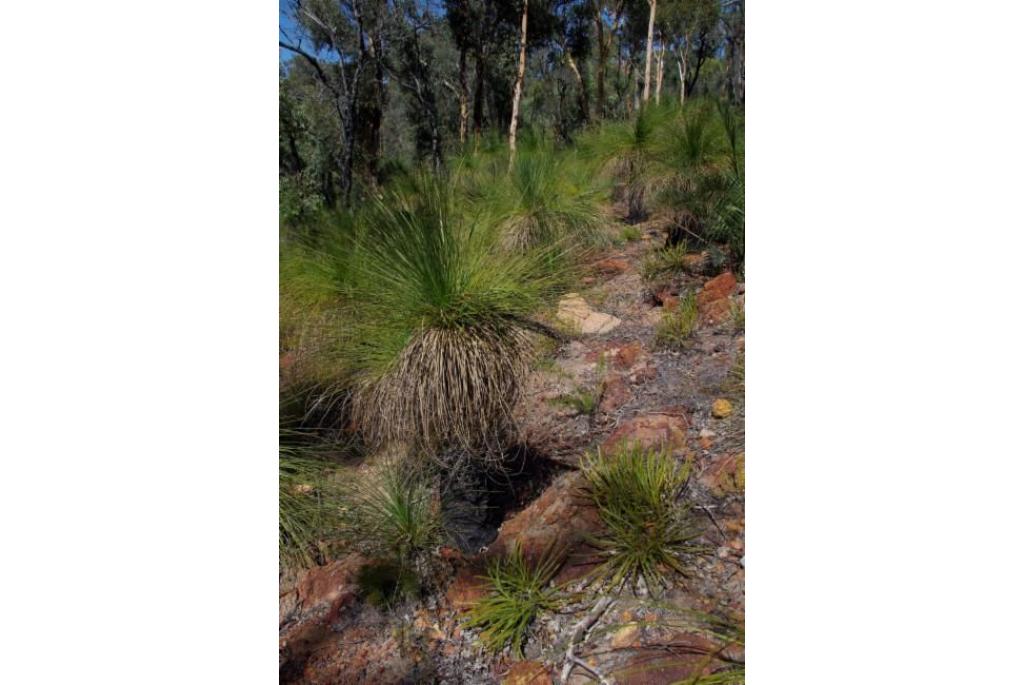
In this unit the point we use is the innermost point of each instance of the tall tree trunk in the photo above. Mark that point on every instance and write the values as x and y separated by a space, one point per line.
661 72
650 50
463 98
602 60
682 83
478 96
517 93
702 54
682 69
584 98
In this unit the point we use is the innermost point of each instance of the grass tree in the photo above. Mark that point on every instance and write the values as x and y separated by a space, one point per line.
440 337
633 153
649 532
547 199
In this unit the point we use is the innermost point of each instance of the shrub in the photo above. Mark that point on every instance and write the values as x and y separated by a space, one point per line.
299 199
648 532
677 326
519 591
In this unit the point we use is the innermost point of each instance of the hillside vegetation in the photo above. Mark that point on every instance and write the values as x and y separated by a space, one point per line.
498 354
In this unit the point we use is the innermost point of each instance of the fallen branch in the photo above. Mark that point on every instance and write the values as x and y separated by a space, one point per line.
543 329
707 510
577 635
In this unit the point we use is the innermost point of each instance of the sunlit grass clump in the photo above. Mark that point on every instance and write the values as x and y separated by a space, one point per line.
518 591
648 528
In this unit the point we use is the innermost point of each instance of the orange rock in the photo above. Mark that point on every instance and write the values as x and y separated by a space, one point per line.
611 266
331 586
644 374
468 588
527 673
652 431
627 355
715 311
719 287
725 476
557 519
614 394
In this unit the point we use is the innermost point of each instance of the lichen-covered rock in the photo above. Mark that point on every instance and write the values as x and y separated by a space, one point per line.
721 408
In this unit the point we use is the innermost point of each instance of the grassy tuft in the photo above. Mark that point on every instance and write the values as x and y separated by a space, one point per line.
676 326
519 591
391 513
307 513
737 315
583 401
669 260
648 531
631 234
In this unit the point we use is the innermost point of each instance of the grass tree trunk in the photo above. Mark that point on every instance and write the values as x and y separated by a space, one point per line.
650 50
517 93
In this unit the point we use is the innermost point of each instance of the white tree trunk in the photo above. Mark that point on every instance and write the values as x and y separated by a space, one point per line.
682 70
518 92
682 83
661 73
650 50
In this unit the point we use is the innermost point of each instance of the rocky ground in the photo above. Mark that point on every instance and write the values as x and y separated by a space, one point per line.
625 388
